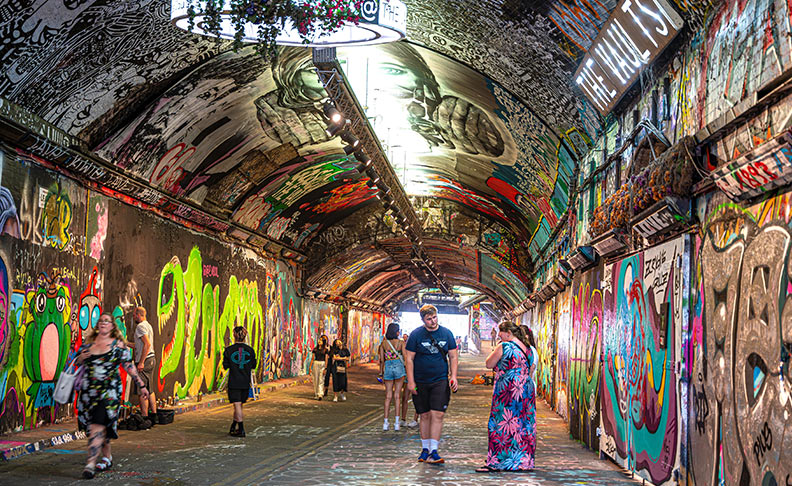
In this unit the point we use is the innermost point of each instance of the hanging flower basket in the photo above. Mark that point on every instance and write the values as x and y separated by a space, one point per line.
671 174
267 23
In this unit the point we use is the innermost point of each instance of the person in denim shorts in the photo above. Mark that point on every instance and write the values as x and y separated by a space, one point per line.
391 361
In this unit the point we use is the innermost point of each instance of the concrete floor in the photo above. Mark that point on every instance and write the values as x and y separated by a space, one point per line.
294 440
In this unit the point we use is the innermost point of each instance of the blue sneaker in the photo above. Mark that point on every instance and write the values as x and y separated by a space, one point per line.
434 458
424 455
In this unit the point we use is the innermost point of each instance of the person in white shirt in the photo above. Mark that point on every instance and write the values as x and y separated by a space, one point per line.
145 362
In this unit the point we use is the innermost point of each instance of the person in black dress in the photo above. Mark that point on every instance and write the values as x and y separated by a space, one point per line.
341 358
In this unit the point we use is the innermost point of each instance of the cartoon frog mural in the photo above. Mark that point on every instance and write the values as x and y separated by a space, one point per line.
47 336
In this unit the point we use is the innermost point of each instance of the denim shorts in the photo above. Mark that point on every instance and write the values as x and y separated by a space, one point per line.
394 369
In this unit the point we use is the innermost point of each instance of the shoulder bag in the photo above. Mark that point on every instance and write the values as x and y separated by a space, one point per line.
394 350
64 389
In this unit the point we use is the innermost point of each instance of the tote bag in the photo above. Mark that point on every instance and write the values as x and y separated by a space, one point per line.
64 389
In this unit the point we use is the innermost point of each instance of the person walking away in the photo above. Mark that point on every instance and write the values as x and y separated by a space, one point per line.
512 422
320 354
239 359
493 335
392 371
405 397
428 352
101 354
341 357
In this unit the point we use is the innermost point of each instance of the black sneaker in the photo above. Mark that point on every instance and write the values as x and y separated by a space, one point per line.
153 419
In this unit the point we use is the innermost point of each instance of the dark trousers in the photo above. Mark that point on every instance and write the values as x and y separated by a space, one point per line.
327 379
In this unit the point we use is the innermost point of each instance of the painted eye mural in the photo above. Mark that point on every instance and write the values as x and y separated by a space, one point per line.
90 308
47 337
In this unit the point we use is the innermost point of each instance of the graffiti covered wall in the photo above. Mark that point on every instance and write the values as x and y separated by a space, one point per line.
584 357
738 357
67 254
644 308
563 336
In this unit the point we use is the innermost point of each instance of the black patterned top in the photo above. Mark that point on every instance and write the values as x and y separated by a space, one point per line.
102 383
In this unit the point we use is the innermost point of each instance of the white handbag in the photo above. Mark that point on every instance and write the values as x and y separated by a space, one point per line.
64 389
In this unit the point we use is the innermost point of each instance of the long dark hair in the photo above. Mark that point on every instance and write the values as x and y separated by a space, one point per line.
393 331
516 330
529 335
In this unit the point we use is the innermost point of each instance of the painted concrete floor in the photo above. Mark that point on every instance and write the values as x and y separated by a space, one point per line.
294 440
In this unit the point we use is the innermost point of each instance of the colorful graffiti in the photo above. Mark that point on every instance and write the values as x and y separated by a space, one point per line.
739 352
644 310
57 217
584 358
544 332
563 336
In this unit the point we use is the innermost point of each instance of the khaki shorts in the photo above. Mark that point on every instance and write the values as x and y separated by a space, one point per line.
148 371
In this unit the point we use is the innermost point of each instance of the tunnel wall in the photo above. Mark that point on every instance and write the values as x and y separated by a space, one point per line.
75 253
679 355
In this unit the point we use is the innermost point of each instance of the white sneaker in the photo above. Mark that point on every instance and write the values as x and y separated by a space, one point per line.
385 425
343 398
335 399
396 425
412 423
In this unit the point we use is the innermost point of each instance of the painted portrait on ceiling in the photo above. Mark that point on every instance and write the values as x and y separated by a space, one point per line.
451 132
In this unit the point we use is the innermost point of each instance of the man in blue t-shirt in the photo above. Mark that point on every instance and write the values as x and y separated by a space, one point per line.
427 378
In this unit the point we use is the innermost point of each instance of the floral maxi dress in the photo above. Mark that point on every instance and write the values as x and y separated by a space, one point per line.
512 422
102 388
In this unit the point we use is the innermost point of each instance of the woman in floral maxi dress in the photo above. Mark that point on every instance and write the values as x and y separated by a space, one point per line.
512 422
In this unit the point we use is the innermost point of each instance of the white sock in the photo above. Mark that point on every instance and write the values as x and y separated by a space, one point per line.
432 445
397 420
425 444
386 421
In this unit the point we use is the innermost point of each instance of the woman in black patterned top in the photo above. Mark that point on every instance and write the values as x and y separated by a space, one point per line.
103 351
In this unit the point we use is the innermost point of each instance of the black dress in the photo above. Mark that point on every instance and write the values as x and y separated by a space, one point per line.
339 371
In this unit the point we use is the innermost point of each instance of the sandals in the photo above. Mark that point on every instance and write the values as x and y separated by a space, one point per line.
487 469
89 472
104 464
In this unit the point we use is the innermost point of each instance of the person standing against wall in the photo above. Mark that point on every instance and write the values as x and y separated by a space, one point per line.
239 359
320 354
493 335
145 362
428 378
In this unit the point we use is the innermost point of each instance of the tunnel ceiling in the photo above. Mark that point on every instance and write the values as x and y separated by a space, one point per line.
483 88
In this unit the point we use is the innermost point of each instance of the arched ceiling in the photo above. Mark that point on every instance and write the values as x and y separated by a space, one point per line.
487 93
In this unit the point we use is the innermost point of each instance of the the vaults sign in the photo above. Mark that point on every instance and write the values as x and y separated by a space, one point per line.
636 32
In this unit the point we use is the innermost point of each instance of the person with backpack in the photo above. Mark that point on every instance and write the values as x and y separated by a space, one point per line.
392 371
428 352
239 359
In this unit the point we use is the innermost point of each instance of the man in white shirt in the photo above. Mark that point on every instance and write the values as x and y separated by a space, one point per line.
146 362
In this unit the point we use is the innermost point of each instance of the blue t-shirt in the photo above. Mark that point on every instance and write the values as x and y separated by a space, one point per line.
429 365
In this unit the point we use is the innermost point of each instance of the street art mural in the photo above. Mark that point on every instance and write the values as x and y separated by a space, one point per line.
584 357
563 336
321 318
499 279
453 117
644 308
740 345
544 333
364 335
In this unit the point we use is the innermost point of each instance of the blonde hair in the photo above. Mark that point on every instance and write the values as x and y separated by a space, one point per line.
92 333
427 310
